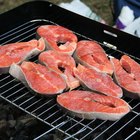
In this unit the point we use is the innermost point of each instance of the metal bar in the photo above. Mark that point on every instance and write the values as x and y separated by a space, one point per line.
93 130
136 105
38 138
20 96
16 28
58 119
26 37
122 127
138 129
19 33
131 135
51 115
34 115
57 126
10 89
89 128
26 100
78 132
22 29
7 83
107 129
46 110
135 112
41 106
17 36
33 103
87 125
74 125
4 78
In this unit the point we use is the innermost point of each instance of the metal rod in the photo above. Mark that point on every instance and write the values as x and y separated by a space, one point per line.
7 83
20 96
8 41
46 110
26 100
41 106
11 32
10 89
4 78
28 30
122 127
131 135
37 101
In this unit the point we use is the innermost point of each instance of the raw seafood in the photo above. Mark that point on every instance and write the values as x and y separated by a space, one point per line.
38 78
62 64
131 66
97 81
126 79
18 52
91 54
58 38
90 105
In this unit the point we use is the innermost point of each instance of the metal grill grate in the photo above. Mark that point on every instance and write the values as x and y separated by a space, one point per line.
46 110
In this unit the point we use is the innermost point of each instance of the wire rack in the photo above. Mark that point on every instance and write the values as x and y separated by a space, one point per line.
46 109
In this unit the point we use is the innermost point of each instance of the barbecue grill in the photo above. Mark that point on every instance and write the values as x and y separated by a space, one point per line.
20 24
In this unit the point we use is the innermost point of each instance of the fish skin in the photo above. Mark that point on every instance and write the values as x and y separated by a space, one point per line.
90 105
18 52
54 34
38 78
97 81
54 60
92 55
126 80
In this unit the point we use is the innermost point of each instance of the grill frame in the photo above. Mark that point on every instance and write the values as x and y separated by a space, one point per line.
16 32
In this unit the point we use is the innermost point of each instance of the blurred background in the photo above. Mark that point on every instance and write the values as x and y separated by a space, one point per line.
101 7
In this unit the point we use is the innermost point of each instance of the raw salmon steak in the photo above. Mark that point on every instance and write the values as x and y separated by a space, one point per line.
58 38
91 54
62 64
90 105
123 76
97 81
131 66
39 78
18 52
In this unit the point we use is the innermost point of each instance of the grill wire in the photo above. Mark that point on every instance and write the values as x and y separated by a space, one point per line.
46 110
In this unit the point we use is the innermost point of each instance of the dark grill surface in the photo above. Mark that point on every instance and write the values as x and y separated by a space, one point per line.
46 110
